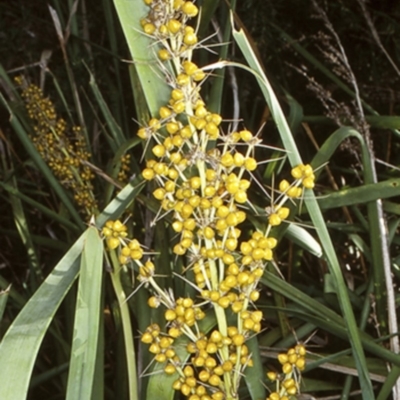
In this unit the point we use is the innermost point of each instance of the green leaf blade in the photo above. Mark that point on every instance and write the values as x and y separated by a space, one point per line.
87 319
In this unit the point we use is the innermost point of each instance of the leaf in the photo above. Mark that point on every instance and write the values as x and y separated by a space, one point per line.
21 343
314 212
3 301
87 319
360 195
254 376
304 239
143 52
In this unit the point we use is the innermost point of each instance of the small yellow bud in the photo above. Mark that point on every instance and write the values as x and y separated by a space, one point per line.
274 220
182 80
153 302
174 26
190 39
246 135
165 112
250 164
148 174
159 193
158 150
112 243
283 212
170 315
149 28
190 9
308 182
147 338
164 54
284 185
214 380
297 172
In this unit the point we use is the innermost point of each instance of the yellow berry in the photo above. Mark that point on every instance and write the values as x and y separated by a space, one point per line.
164 112
199 75
170 315
148 174
164 54
232 219
250 164
297 172
272 376
189 67
189 9
284 185
112 243
182 80
159 193
283 358
214 380
227 160
238 339
153 302
287 368
147 338
149 28
154 348
177 94
186 132
301 363
204 375
224 302
190 39
212 129
179 107
172 127
237 306
308 183
300 349
283 212
186 389
274 220
174 26
158 150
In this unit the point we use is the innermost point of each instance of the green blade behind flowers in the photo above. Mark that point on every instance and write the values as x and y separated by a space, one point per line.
361 194
116 137
87 319
143 52
3 301
20 344
314 212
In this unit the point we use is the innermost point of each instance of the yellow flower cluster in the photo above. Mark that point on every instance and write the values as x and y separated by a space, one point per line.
287 385
63 150
125 168
201 177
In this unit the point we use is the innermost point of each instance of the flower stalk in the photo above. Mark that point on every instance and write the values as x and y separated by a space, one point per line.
202 176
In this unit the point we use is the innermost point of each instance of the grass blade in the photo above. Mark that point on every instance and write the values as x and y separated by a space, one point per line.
3 301
87 319
315 214
254 376
360 195
155 89
21 343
